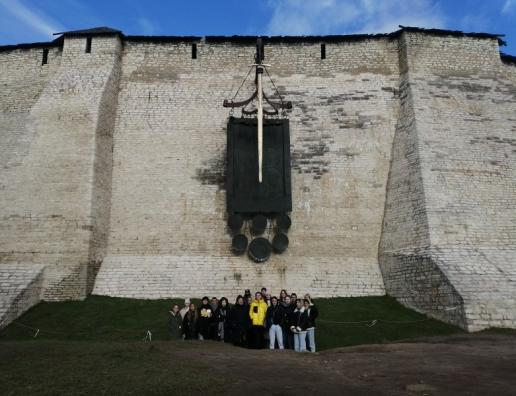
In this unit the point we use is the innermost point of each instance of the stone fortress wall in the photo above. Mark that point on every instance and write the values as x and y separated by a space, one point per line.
403 170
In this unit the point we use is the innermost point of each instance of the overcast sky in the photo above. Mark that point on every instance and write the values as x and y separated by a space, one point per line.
25 21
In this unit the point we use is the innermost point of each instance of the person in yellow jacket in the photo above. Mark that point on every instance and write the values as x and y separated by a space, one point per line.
257 313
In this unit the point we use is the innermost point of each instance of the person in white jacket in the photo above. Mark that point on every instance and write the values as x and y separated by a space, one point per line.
298 326
184 310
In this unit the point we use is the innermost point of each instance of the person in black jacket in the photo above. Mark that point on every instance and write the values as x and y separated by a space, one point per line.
222 319
276 317
312 312
206 318
214 325
190 323
288 336
239 322
174 323
247 296
298 326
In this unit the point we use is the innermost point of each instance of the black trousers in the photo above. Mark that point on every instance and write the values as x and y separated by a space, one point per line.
288 338
239 336
257 337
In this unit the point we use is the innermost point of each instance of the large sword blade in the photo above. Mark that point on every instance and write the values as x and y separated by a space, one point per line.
260 124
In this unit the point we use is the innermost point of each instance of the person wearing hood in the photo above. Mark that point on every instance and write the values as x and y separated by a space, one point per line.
288 336
298 326
275 319
174 323
312 313
239 322
248 298
214 325
206 318
221 316
267 299
190 327
257 313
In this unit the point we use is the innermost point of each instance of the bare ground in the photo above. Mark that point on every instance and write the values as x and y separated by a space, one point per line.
457 365
474 364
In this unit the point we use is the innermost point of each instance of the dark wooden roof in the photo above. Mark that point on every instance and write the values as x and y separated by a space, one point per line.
51 44
312 39
251 40
97 31
456 33
164 39
509 59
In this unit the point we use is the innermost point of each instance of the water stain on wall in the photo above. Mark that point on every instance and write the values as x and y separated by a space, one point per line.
213 171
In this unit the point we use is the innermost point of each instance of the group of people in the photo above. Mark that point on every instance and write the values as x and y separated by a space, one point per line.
283 322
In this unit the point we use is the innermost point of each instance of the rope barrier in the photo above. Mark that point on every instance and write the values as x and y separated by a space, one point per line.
148 333
351 322
405 322
37 331
371 323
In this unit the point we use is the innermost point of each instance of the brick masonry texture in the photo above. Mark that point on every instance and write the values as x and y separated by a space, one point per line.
20 288
448 244
54 173
403 171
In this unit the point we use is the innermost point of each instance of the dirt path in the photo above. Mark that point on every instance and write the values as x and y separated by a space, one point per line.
461 365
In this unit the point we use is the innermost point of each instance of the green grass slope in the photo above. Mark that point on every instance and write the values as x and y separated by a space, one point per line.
342 321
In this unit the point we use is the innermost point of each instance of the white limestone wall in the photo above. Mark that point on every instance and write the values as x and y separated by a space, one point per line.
168 218
403 155
460 264
49 186
20 289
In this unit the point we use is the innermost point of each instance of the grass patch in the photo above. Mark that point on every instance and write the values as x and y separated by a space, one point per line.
96 318
395 322
51 367
119 319
499 330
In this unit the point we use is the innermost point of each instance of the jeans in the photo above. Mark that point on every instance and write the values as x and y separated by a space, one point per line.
300 341
275 332
221 331
310 336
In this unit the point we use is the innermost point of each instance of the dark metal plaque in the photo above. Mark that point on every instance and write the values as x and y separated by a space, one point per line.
245 194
